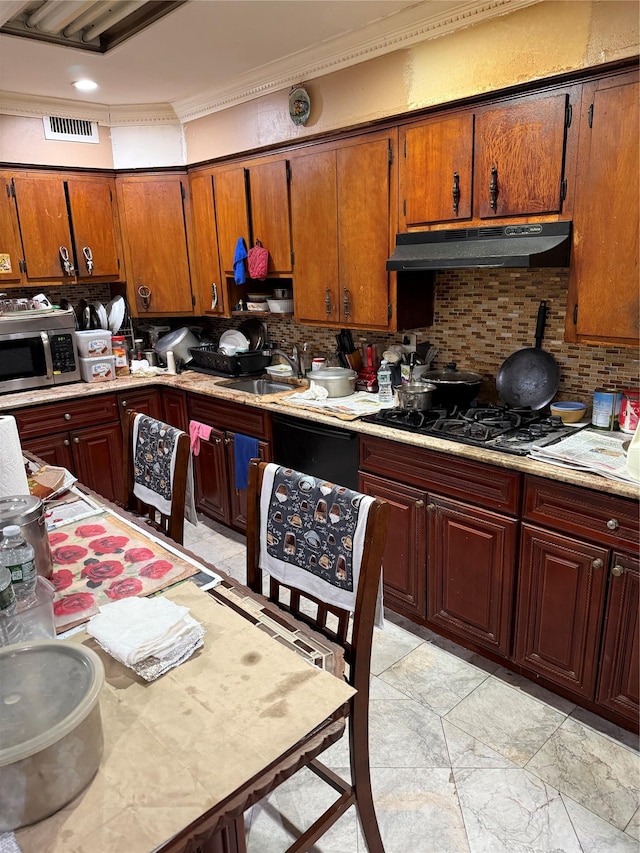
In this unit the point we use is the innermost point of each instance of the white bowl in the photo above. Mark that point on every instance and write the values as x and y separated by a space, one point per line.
280 306
257 306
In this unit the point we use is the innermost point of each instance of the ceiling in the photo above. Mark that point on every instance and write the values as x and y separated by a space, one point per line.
204 55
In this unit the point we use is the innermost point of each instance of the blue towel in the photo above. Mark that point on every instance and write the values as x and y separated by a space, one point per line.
238 261
244 449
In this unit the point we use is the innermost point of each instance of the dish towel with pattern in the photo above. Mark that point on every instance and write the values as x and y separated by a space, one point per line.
312 535
245 448
238 261
154 460
197 431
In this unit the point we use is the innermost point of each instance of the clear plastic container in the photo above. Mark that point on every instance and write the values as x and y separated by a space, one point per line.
99 369
93 342
37 619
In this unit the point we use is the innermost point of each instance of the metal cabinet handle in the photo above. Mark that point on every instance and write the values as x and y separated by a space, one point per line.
228 440
432 507
67 266
493 189
218 441
616 571
597 563
67 416
88 257
214 296
66 442
456 192
419 504
346 302
124 404
144 293
76 440
327 302
613 524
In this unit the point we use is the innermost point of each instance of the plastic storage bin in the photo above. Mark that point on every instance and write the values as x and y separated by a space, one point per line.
38 620
99 369
93 342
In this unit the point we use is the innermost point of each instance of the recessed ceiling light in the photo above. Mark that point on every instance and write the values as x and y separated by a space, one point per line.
85 85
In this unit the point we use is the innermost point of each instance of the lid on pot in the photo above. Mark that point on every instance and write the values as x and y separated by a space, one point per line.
19 509
450 375
333 373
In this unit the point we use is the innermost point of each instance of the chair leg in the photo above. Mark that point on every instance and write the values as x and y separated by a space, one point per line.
361 775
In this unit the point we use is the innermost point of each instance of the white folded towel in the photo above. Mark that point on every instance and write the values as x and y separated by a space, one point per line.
134 629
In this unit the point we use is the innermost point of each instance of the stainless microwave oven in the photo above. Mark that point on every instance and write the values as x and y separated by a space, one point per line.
37 350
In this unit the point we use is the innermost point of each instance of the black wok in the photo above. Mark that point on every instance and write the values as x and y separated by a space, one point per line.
530 377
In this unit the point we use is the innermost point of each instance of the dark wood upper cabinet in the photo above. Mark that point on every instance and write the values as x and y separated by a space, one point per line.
519 157
68 215
153 211
11 256
604 301
436 172
340 210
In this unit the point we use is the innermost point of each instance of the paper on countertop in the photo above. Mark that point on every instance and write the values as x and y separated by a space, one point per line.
149 635
595 451
355 405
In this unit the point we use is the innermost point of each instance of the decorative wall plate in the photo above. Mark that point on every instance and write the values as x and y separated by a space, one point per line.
299 105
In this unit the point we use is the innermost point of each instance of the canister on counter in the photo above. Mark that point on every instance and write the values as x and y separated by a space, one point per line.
606 408
120 353
630 409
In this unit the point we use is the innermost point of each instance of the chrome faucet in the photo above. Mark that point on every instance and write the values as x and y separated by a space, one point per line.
292 360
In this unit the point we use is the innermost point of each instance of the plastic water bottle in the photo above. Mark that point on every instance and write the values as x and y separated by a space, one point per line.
17 555
385 389
11 630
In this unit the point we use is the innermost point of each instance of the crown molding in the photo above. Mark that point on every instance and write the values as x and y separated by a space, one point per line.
401 31
398 32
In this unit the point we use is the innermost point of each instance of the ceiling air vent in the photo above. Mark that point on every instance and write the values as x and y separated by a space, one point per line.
70 129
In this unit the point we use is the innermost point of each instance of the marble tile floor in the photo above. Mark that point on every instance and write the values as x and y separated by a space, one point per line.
466 756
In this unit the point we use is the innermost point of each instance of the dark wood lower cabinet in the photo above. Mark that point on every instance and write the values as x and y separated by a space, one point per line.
618 687
403 564
560 608
471 567
174 408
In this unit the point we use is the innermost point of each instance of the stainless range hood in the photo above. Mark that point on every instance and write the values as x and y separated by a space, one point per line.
545 244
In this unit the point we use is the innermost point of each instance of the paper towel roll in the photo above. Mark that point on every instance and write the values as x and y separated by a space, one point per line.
13 478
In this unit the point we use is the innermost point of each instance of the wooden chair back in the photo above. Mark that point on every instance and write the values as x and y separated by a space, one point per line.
171 525
354 634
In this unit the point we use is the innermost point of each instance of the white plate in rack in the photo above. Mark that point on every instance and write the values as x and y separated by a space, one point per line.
115 314
235 339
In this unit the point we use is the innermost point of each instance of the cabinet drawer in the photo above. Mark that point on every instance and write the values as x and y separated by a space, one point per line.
488 486
606 519
72 414
229 416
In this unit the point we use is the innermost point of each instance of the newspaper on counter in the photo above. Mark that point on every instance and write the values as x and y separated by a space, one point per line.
589 450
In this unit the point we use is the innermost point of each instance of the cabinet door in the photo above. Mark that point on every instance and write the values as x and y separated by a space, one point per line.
174 408
54 449
155 241
207 265
97 455
210 468
10 245
471 563
604 304
91 203
519 157
232 215
404 564
314 205
436 171
363 233
560 608
270 222
146 401
44 225
238 497
618 687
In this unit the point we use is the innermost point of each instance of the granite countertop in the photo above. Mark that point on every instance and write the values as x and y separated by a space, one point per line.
214 386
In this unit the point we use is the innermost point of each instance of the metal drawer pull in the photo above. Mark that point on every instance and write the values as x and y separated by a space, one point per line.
144 293
88 256
346 302
327 301
419 504
76 440
456 192
124 404
597 563
66 442
66 263
493 189
67 416
613 524
431 507
616 571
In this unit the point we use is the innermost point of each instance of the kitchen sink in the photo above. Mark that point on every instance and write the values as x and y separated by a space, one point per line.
257 386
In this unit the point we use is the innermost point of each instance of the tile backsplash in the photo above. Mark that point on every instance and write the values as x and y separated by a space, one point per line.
481 317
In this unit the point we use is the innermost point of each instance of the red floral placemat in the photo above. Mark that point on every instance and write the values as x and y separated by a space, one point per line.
105 560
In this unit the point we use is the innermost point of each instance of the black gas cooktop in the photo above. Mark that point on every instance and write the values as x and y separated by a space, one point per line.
495 427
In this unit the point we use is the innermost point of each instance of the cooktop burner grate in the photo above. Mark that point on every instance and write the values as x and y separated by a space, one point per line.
511 430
